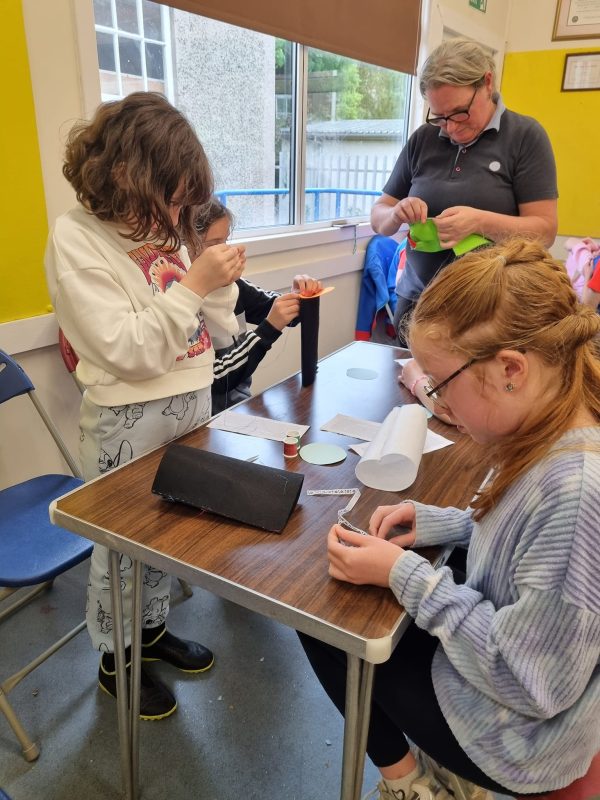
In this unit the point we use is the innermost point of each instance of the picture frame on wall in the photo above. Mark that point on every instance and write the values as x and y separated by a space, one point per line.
581 72
576 19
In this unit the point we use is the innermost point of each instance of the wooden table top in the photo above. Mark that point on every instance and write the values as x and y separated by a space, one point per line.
283 576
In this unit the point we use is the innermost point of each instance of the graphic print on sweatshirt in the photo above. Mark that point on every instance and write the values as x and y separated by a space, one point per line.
160 270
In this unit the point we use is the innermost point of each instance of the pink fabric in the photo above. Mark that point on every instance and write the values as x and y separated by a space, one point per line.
579 261
585 788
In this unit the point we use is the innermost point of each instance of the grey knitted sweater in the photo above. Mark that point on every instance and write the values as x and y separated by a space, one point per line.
517 672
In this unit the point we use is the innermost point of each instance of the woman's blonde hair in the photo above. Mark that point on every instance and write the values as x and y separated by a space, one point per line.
126 164
516 296
457 62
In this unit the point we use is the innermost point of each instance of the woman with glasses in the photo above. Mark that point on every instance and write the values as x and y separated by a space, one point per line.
498 679
474 167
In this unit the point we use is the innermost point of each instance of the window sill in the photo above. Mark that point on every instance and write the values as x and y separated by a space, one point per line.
294 240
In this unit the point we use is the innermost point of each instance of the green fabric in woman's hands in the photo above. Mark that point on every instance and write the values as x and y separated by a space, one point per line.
424 238
469 243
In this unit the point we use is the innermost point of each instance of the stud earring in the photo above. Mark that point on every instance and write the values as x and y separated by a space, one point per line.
509 387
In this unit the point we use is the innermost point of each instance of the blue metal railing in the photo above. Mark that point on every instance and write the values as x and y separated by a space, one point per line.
224 194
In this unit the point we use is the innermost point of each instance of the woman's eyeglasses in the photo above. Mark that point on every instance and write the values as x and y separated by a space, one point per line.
457 116
433 392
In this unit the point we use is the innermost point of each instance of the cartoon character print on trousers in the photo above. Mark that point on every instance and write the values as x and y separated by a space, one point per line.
153 576
122 455
160 270
179 405
124 452
103 617
125 565
104 620
155 612
133 412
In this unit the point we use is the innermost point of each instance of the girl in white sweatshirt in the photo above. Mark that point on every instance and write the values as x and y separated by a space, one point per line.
134 309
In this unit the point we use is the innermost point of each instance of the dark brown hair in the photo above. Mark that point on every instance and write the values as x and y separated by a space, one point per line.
516 296
127 163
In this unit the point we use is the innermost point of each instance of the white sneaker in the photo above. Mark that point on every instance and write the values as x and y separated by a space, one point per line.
425 787
428 787
457 787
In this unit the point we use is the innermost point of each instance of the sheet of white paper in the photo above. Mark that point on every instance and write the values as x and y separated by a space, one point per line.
402 361
392 459
367 430
255 426
433 441
352 426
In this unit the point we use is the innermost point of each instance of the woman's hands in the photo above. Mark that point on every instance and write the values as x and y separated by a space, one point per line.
217 266
456 223
409 210
370 559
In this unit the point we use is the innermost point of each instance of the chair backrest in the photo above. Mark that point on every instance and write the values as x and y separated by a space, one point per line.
13 378
14 381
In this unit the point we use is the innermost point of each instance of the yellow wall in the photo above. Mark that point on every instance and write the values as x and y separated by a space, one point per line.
531 84
23 226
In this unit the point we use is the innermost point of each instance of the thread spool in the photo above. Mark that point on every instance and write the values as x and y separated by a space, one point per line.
290 447
294 435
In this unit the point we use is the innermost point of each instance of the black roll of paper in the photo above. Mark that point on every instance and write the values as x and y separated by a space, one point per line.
251 493
309 338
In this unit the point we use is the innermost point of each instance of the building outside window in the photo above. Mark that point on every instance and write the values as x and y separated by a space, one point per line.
296 136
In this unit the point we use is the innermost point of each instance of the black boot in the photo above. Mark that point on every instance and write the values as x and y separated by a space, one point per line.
158 644
156 701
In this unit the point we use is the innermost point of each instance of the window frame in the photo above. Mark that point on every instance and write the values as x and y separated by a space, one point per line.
267 239
117 33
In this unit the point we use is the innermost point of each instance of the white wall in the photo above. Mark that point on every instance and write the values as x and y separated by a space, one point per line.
530 28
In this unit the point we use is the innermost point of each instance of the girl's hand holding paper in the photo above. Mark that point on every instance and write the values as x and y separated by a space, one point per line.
368 559
385 518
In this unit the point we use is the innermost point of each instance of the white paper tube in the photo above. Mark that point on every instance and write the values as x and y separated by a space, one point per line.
392 459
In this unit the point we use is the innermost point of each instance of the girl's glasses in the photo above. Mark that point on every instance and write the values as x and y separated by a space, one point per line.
434 391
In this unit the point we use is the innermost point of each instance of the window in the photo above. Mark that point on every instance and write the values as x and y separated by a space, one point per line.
296 136
133 47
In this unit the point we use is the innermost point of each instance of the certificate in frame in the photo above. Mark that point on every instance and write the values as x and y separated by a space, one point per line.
576 19
581 72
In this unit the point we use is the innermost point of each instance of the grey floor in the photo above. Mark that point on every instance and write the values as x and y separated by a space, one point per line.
258 725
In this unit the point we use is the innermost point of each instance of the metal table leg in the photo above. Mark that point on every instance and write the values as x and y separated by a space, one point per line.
119 646
136 664
364 717
359 688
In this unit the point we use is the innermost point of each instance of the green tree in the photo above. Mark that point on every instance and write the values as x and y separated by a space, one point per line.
383 92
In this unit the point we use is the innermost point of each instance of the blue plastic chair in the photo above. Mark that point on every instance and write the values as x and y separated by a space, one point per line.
33 551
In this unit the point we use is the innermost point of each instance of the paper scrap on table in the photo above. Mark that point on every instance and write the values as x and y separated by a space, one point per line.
352 426
367 430
391 460
255 426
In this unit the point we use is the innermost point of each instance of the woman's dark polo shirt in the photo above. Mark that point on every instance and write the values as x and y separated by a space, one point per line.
504 167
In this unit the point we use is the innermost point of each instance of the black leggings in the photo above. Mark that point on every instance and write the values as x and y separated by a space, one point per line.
404 702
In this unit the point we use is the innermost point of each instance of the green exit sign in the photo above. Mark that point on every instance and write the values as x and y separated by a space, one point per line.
478 4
